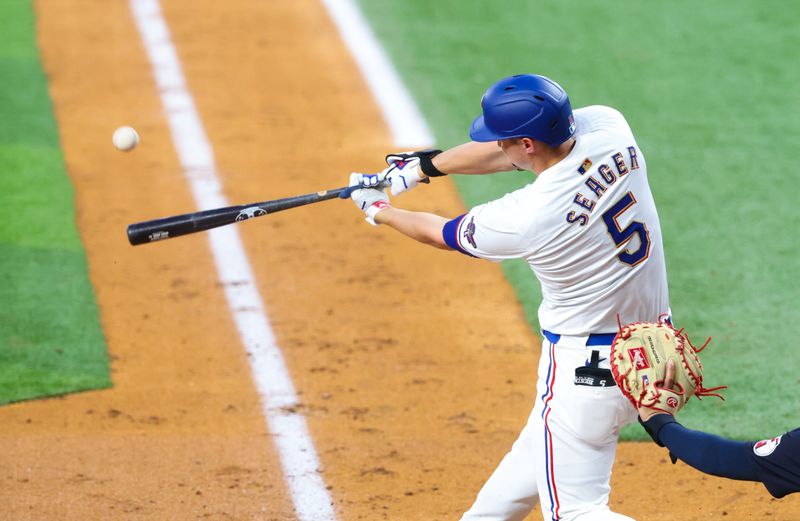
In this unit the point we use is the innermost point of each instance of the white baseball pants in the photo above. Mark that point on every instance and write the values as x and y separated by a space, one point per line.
563 456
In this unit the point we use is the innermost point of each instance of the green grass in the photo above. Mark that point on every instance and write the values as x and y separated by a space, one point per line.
710 89
50 337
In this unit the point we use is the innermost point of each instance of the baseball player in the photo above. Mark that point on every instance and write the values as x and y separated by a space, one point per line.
774 462
588 228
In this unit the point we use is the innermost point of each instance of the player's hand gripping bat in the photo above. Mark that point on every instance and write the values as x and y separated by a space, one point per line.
177 225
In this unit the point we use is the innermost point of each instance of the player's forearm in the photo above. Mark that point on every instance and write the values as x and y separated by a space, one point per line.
708 453
423 227
473 158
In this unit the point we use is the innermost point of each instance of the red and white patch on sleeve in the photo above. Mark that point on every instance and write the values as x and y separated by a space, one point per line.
767 447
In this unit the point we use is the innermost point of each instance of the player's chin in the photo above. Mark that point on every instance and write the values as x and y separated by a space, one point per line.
522 168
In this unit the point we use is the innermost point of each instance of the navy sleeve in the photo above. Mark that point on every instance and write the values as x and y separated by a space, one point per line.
709 453
777 463
774 462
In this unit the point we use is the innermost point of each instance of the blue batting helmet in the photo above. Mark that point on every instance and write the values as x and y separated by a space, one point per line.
525 105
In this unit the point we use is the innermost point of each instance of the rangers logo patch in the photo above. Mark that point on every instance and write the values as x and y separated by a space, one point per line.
469 233
766 447
638 358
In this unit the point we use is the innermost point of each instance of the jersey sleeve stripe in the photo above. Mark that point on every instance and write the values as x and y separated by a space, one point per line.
451 233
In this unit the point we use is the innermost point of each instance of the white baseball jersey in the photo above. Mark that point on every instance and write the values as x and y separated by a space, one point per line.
588 228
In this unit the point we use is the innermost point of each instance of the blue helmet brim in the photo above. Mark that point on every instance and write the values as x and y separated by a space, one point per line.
479 132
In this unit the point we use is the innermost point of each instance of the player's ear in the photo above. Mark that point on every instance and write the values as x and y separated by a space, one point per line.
529 144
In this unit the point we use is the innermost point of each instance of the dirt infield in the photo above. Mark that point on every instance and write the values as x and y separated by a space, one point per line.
415 368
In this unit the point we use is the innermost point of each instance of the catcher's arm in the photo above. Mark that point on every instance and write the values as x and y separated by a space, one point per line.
706 452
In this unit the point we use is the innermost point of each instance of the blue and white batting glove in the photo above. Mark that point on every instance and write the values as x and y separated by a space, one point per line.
370 180
403 172
369 200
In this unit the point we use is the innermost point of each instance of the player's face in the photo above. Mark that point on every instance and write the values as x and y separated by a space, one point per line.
516 150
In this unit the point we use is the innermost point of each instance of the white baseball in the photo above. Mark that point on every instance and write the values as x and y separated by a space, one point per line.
125 138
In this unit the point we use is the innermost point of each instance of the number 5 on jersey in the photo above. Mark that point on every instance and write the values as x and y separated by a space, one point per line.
624 235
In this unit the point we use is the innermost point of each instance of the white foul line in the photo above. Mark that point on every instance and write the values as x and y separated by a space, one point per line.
408 126
297 453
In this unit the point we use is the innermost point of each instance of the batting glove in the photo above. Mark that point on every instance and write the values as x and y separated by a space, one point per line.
369 200
406 169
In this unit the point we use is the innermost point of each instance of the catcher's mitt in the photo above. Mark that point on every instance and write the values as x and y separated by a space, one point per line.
639 357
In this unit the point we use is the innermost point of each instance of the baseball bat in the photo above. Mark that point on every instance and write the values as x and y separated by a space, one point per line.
177 225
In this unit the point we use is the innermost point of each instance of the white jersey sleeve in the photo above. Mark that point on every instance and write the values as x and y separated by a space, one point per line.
491 231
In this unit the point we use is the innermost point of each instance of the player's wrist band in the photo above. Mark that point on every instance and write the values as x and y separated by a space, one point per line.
654 425
373 210
426 162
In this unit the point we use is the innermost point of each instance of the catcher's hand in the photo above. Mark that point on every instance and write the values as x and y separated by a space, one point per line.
657 368
671 395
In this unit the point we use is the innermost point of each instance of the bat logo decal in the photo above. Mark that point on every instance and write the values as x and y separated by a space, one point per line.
249 213
158 236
